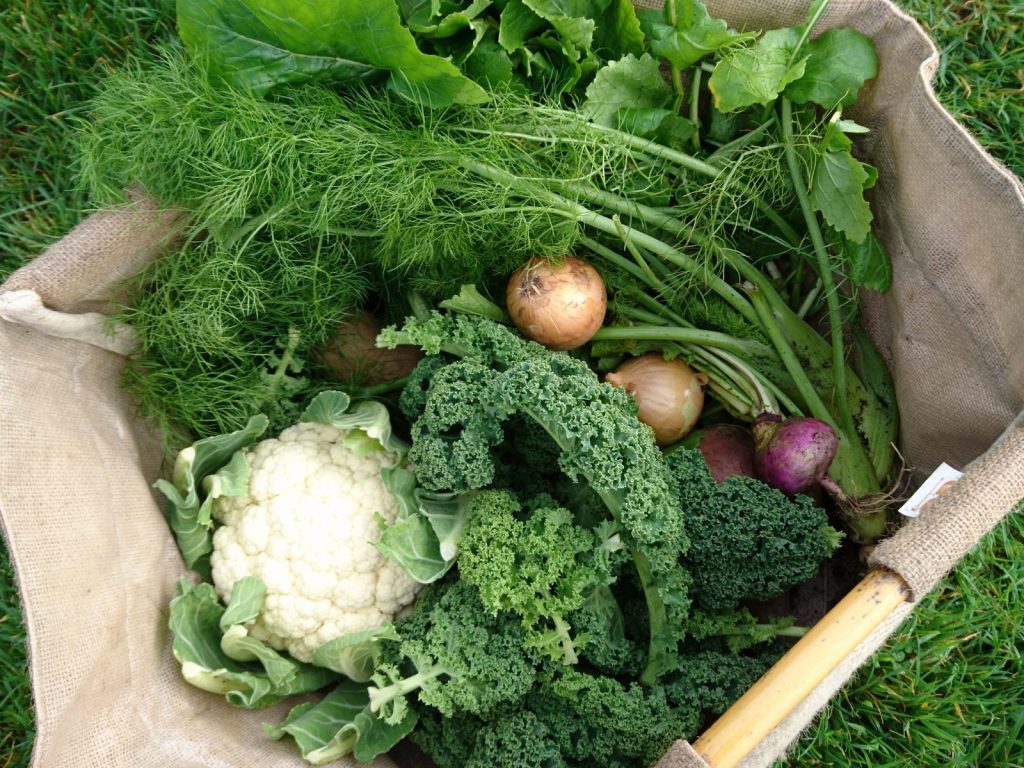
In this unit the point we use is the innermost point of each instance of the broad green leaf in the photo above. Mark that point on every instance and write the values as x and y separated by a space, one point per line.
664 125
428 25
868 263
517 25
260 44
354 654
630 83
189 504
245 602
340 724
448 514
850 126
837 192
412 543
327 407
694 36
470 301
618 31
574 20
489 64
758 73
881 425
198 645
367 419
401 482
838 64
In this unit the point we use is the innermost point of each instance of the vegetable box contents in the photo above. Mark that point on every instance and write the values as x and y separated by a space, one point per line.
621 397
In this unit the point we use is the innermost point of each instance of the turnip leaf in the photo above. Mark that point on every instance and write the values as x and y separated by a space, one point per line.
630 83
838 184
695 35
838 65
869 264
759 73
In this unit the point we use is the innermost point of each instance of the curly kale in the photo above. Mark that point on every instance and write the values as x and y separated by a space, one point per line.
750 541
570 720
538 567
455 655
496 374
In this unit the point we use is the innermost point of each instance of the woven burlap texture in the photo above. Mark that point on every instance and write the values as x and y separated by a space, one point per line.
95 563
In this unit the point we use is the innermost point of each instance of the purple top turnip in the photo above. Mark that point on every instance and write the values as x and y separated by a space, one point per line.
795 454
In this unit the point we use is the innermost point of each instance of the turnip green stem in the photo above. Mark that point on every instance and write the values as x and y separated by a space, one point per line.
808 393
828 285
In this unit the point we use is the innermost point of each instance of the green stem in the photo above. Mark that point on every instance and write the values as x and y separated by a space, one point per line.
691 163
656 218
675 334
807 30
810 395
572 210
384 387
828 285
695 83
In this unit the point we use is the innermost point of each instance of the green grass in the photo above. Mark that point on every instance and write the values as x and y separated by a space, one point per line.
948 689
52 55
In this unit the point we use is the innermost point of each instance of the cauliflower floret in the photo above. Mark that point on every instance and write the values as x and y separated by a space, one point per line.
307 528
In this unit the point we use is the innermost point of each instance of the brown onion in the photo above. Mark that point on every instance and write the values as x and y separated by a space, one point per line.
351 355
557 304
669 394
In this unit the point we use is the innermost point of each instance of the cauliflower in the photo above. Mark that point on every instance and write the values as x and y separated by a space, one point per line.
306 527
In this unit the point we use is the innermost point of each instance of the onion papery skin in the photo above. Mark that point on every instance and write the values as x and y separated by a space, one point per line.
560 304
669 394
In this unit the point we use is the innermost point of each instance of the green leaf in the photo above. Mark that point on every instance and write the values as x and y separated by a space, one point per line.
869 265
259 45
370 418
695 35
574 20
448 514
518 24
758 73
489 64
189 498
618 31
199 646
838 65
354 654
340 724
470 301
662 124
412 543
837 190
427 25
630 83
245 603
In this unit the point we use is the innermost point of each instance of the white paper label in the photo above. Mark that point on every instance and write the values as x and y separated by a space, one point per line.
941 480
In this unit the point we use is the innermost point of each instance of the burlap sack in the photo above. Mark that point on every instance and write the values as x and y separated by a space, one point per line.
96 565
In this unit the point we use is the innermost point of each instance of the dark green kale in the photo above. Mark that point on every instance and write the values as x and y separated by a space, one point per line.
750 541
455 655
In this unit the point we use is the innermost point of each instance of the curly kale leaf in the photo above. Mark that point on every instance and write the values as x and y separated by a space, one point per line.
455 656
601 442
538 567
750 541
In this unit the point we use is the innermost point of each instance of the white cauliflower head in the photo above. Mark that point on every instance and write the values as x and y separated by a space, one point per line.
307 527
